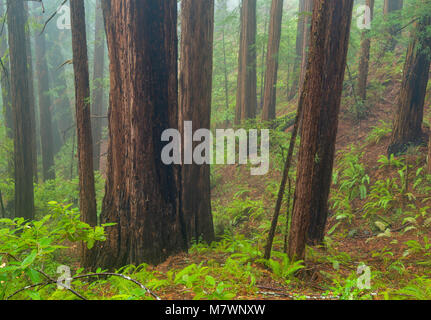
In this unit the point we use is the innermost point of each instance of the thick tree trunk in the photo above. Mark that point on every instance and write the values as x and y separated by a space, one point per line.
87 194
197 32
20 97
247 78
270 93
328 53
46 133
142 194
97 99
408 120
365 58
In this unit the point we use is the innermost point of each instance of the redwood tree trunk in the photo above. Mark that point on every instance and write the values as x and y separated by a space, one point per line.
46 132
87 192
62 111
247 77
298 52
197 32
408 120
328 52
365 58
32 100
308 8
390 7
142 194
270 93
5 85
20 97
99 66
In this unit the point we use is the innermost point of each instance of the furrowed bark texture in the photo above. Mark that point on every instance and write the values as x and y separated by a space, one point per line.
142 194
328 52
197 32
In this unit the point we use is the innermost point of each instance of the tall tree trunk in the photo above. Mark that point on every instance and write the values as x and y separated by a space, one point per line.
32 101
20 97
408 120
239 78
99 66
270 93
62 110
328 53
302 44
87 192
197 32
142 194
263 58
4 78
391 7
365 58
46 133
308 8
247 78
299 48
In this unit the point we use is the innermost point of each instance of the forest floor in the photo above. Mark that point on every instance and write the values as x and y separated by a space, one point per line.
385 230
331 271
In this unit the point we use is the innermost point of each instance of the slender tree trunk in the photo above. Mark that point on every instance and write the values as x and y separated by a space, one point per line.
391 7
408 120
299 48
226 77
247 78
263 60
239 79
63 111
328 52
5 84
99 66
270 93
32 101
142 194
197 32
46 132
20 97
308 8
302 44
365 58
87 192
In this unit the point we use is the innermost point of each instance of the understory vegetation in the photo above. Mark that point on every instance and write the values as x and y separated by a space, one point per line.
377 243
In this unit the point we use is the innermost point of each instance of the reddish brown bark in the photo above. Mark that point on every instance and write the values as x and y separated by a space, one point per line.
308 8
197 31
20 97
142 194
408 120
246 104
87 194
270 92
328 51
